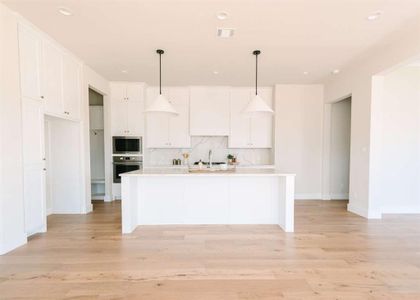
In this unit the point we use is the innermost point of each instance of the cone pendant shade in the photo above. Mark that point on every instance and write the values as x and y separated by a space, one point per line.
257 106
161 104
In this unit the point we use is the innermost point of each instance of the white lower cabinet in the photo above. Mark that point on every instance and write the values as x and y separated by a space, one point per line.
34 166
167 131
249 131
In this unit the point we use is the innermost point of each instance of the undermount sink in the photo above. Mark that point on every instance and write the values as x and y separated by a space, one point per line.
211 170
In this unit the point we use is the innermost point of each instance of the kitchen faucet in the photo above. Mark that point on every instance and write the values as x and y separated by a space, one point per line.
210 158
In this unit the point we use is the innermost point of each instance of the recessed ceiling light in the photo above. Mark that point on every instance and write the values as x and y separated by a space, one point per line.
225 32
215 72
65 11
222 15
335 71
306 73
374 16
124 71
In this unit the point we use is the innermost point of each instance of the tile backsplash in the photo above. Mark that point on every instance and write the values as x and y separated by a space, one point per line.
200 147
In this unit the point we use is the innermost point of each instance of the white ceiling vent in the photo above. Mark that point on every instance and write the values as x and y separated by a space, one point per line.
225 32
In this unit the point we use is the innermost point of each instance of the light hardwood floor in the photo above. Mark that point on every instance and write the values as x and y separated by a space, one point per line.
332 255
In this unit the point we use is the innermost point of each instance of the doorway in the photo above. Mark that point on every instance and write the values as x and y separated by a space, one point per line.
97 145
340 149
63 166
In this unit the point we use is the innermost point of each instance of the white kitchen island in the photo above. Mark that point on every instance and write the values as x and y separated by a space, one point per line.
162 196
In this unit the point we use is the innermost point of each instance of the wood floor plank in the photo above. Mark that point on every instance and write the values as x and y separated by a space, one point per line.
332 255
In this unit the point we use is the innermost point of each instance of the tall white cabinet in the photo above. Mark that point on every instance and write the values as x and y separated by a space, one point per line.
50 81
249 131
167 131
33 166
127 109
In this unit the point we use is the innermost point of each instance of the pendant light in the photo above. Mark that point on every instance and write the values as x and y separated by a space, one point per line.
161 104
257 105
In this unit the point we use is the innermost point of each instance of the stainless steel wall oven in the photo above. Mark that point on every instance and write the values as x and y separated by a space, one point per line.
123 164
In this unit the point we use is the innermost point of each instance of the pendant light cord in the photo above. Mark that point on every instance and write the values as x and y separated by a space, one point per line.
256 74
256 53
160 73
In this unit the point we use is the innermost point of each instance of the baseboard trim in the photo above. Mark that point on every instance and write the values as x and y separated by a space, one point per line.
363 212
308 196
5 247
344 196
400 210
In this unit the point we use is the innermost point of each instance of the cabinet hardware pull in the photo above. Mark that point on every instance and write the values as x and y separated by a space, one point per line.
42 97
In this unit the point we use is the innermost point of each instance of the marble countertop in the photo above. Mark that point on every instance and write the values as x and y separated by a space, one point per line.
162 172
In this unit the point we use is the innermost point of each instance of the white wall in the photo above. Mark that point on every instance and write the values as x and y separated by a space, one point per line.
12 227
298 136
395 142
356 80
340 150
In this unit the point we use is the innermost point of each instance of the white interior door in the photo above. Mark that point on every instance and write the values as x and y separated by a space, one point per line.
34 166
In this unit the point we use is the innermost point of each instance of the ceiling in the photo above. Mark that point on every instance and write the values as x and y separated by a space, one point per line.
294 36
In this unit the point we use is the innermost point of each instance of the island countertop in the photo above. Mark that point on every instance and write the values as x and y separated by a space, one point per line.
159 172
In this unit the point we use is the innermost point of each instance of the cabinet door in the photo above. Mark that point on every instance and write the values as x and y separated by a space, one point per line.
134 92
262 126
179 136
71 87
135 126
240 123
52 78
209 111
34 199
157 125
30 62
33 159
119 117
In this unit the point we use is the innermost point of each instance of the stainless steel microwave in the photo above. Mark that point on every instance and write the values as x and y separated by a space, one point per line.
127 145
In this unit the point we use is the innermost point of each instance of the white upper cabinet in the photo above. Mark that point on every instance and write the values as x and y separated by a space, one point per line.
167 131
127 109
249 131
52 83
49 74
30 63
71 87
209 111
